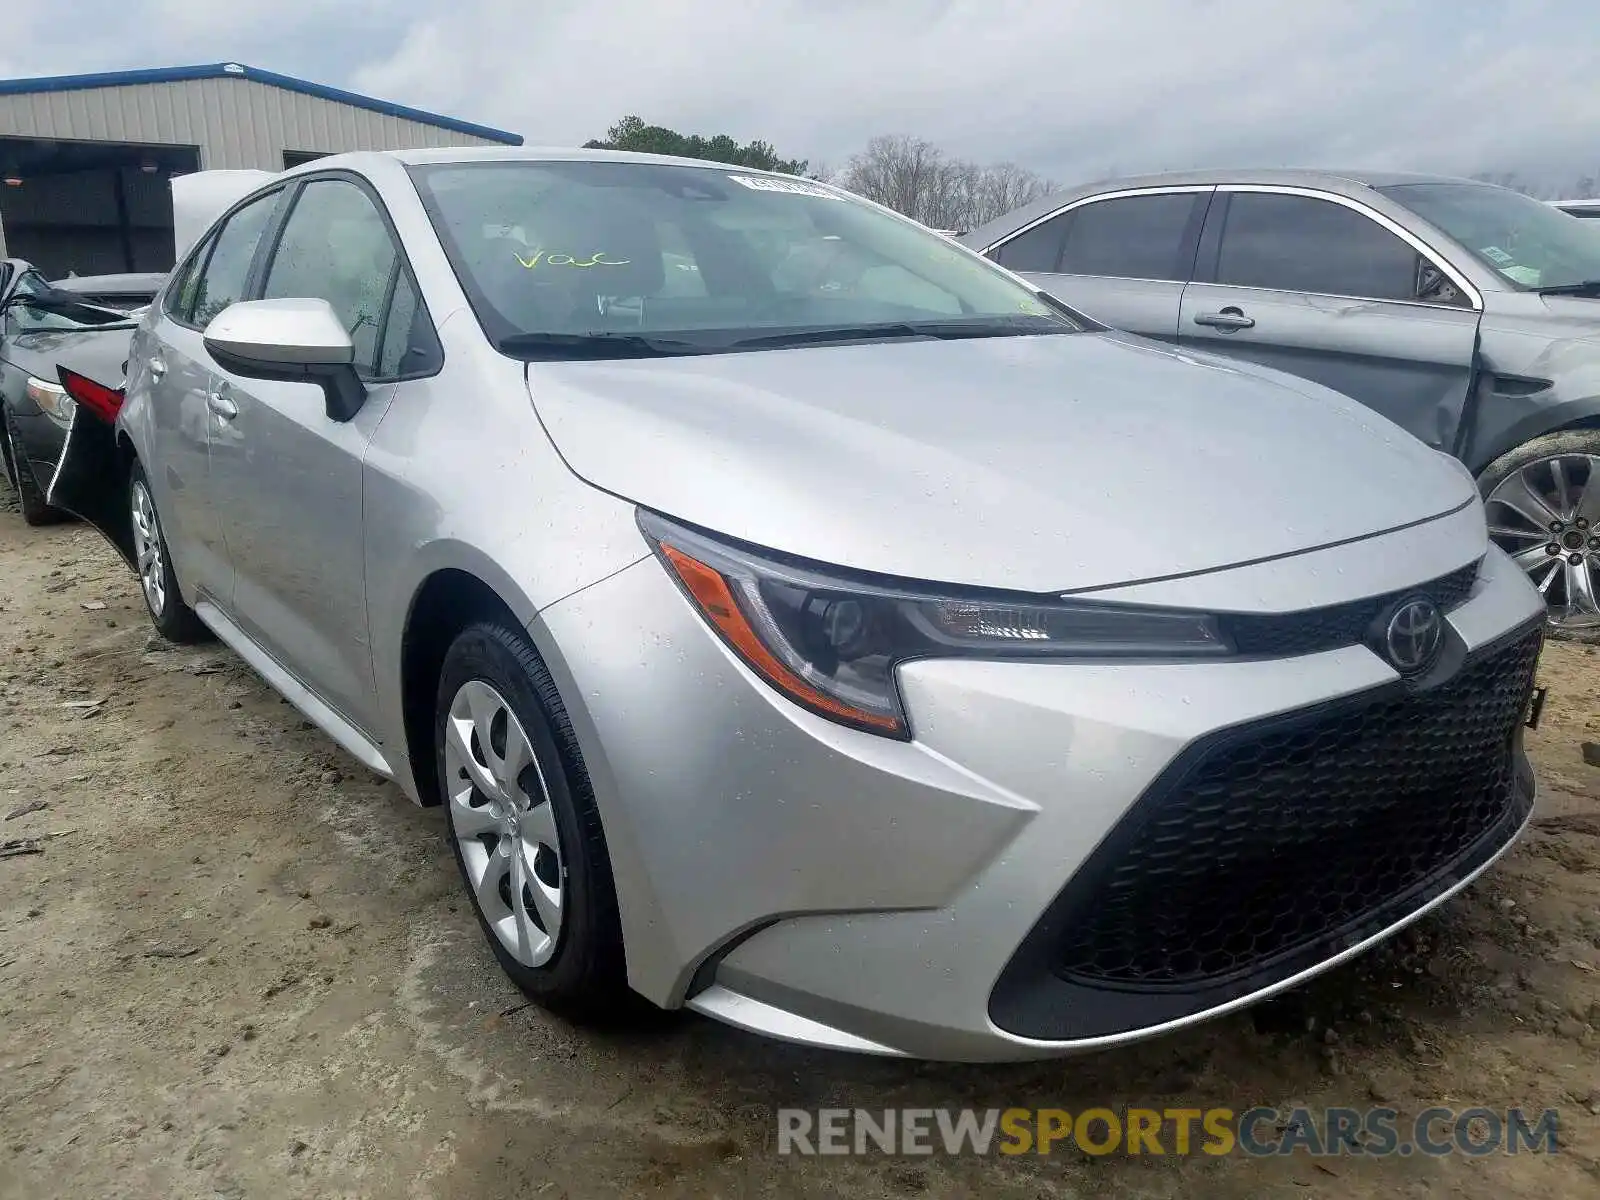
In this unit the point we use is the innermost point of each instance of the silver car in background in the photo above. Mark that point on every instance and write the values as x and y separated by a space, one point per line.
802 620
1467 313
1587 209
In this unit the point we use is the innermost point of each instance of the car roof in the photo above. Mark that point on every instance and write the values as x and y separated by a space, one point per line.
1349 183
471 154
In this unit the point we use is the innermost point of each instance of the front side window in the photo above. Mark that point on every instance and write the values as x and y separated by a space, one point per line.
1524 240
222 280
1130 237
1292 243
599 256
336 247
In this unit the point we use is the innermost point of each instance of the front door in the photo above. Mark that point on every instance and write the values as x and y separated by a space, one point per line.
173 376
288 478
1318 288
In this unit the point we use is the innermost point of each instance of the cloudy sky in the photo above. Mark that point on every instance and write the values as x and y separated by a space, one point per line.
1071 88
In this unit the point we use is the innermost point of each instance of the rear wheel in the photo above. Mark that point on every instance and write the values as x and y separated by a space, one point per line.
1543 505
173 619
524 826
29 496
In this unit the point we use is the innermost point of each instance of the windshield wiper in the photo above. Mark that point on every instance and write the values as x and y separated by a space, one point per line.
1588 287
940 330
604 344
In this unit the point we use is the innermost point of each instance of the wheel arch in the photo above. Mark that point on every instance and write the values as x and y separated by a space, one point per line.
1573 414
444 603
126 454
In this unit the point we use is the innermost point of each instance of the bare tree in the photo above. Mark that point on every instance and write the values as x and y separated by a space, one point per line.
1584 187
914 177
897 171
1510 179
1003 187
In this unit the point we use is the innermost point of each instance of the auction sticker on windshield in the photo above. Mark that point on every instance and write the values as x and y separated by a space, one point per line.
794 187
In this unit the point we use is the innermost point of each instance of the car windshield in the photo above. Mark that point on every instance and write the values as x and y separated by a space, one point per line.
28 318
603 259
1528 242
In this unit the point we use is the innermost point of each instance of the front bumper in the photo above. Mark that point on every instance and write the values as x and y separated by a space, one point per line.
831 887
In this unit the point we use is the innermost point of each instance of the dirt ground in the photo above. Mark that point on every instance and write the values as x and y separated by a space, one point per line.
242 967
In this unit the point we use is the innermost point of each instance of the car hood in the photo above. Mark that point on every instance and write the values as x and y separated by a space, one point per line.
1047 464
97 353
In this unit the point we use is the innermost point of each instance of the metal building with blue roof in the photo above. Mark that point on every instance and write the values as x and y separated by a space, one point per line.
85 159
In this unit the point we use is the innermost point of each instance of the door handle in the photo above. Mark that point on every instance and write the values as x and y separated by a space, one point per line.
217 401
157 369
1228 320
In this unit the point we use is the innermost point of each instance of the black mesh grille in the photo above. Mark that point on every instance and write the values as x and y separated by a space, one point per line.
1329 628
1286 834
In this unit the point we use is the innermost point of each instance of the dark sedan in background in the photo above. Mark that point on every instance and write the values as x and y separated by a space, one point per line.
82 323
126 293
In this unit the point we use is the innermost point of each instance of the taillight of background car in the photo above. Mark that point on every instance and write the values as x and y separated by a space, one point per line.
104 402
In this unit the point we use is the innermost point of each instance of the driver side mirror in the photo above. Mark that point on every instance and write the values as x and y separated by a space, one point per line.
291 340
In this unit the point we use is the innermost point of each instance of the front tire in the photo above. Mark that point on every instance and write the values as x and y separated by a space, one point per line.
173 619
524 826
1542 499
29 497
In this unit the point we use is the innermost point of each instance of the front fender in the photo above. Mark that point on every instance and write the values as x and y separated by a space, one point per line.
1491 440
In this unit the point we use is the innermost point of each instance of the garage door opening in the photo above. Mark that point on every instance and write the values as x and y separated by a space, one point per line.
89 208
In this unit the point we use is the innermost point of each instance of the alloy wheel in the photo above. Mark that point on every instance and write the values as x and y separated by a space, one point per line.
147 547
1546 515
501 817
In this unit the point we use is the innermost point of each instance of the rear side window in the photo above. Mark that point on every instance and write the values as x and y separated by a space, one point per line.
1302 244
1039 249
226 273
1130 237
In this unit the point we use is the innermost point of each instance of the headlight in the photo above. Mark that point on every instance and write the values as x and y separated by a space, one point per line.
52 400
831 641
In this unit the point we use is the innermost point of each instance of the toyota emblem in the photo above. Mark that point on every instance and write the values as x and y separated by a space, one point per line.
1414 634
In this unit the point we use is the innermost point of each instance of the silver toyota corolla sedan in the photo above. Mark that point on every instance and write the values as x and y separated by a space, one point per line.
795 613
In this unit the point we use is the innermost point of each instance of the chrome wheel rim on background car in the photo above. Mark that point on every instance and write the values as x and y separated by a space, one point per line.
1546 515
147 549
503 822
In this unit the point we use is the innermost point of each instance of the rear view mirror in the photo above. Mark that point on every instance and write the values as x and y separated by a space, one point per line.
292 340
